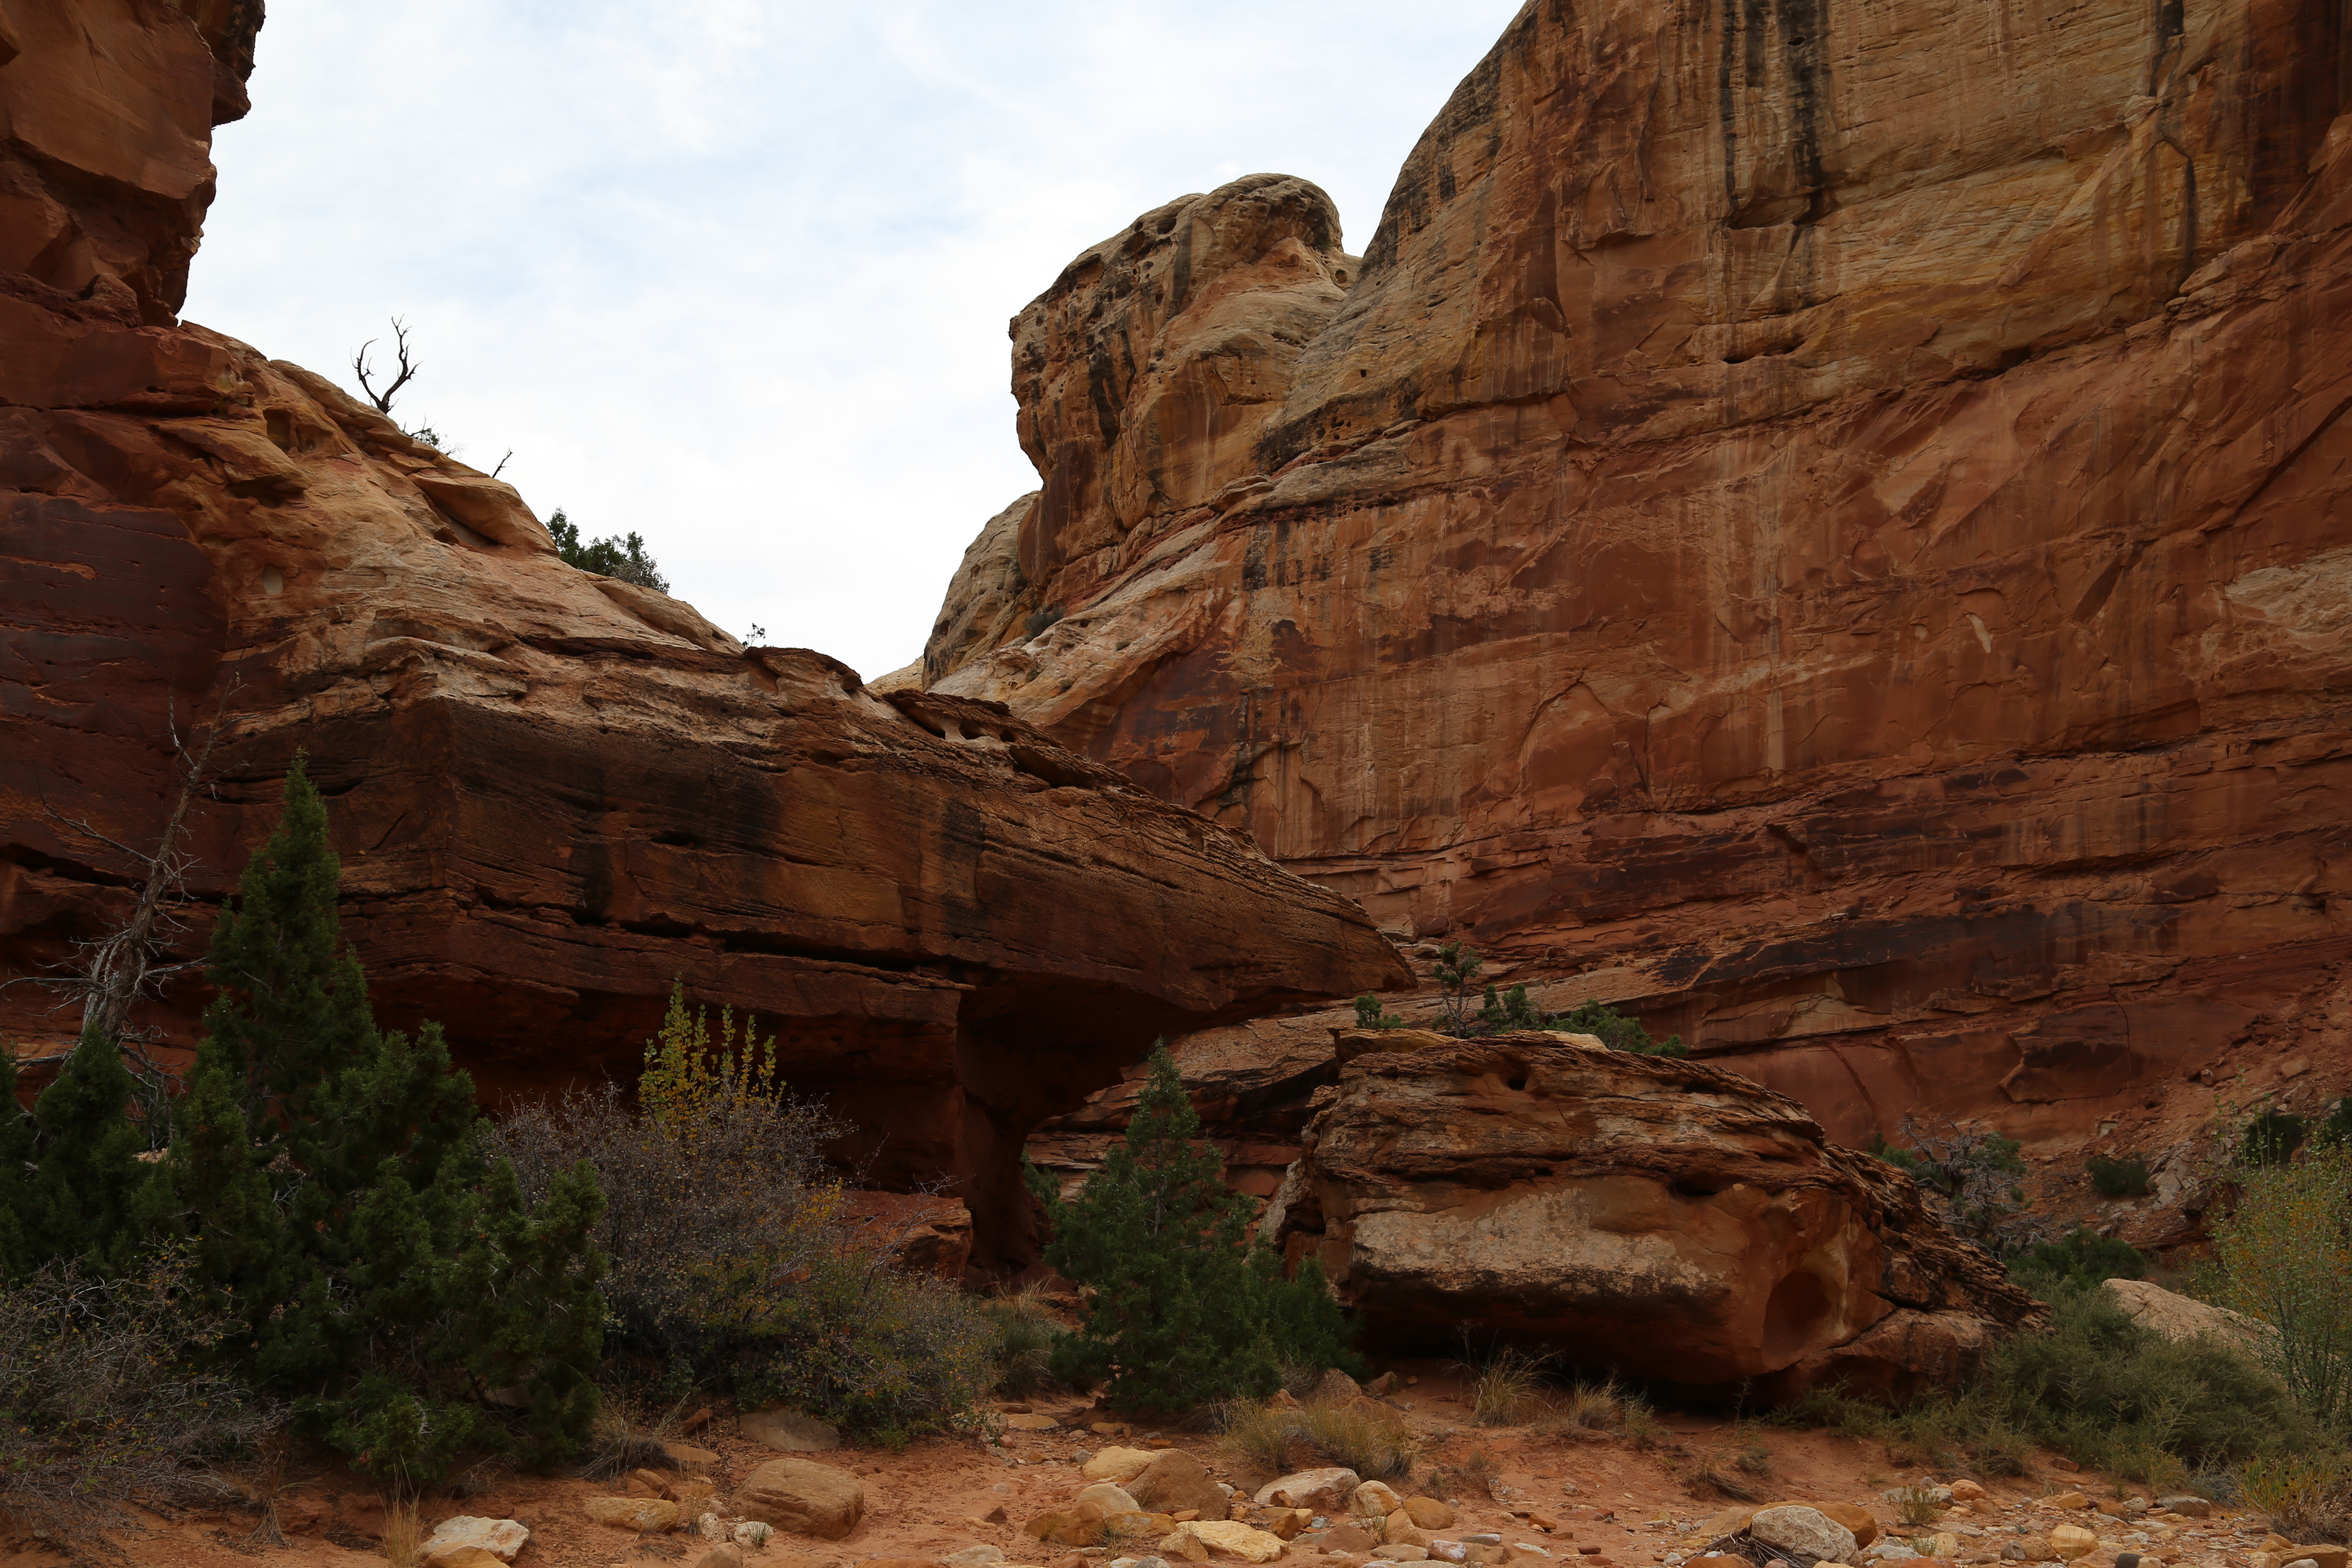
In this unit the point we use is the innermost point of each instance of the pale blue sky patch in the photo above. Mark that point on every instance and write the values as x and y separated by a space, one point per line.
736 274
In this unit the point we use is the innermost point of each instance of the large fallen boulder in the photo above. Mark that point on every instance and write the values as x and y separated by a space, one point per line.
1663 1217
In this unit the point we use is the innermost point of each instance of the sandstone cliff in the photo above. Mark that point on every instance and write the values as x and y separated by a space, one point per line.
1662 1219
1830 526
554 792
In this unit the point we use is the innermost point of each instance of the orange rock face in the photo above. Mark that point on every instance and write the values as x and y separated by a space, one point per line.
1838 524
554 794
1661 1217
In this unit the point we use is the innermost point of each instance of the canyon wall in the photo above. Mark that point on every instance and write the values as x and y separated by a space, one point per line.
555 794
1827 526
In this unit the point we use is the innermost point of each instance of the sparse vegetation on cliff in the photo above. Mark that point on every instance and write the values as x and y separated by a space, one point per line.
1973 1177
1182 1309
620 556
2117 1176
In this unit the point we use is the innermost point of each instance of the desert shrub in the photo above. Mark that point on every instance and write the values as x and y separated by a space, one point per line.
1038 621
734 1264
1026 1329
1972 1176
2333 1131
1363 1435
615 555
1617 1031
2099 1388
2284 1255
1369 1015
2106 1392
2122 1177
2079 1259
110 1391
1182 1310
2270 1137
2308 1496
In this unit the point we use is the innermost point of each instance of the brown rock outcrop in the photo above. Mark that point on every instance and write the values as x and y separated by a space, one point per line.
1661 1217
555 794
1838 520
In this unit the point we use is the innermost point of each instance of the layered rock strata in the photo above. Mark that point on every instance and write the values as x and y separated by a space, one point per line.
556 795
1658 1218
1832 525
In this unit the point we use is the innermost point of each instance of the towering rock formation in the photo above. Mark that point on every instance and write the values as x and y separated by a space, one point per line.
1829 522
555 794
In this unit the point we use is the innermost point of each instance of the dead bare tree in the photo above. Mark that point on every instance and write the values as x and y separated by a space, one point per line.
108 975
382 400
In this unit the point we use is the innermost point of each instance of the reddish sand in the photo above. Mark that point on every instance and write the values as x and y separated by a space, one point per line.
1637 1508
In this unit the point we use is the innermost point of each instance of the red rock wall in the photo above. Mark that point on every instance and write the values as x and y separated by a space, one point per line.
554 794
1832 523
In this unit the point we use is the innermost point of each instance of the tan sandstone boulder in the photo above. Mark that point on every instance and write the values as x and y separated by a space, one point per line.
2179 1317
1670 1215
803 1497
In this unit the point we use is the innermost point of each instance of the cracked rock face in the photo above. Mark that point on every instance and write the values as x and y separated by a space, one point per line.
554 794
1839 522
1659 1218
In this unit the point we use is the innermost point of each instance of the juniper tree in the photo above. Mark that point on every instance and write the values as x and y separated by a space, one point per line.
87 1175
330 1180
1184 1308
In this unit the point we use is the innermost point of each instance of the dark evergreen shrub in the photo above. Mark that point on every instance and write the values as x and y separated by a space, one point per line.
1183 1310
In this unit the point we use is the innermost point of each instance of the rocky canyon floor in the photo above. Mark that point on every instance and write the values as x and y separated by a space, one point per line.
1611 1502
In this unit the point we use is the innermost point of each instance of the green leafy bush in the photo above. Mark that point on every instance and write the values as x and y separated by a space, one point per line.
735 1264
1369 1015
2078 1260
1184 1311
2124 1176
615 555
1617 1031
2284 1255
2098 1388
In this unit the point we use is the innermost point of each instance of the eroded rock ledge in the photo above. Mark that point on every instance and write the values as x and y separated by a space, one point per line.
555 794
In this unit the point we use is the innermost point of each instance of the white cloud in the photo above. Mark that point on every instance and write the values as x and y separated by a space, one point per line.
736 274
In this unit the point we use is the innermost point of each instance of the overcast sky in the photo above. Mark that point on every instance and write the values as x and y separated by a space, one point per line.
735 274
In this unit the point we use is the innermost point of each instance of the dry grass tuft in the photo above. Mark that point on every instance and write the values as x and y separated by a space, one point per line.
1507 1388
1364 1435
403 1536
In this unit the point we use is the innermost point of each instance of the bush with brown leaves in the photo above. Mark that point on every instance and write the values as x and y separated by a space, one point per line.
104 1398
